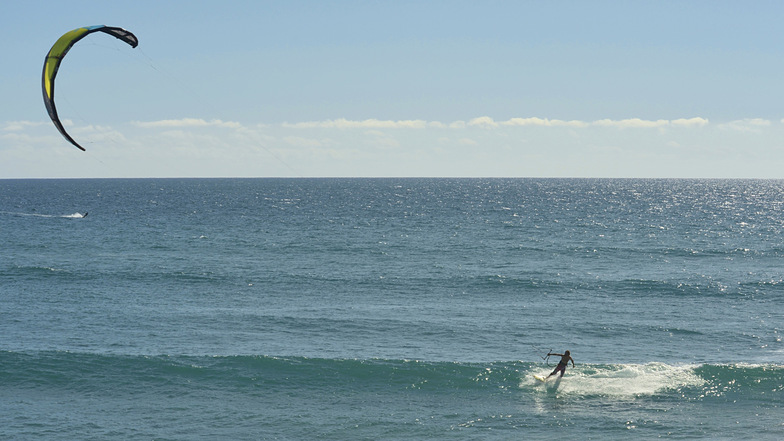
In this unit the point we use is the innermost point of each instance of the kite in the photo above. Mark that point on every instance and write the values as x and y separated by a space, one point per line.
55 57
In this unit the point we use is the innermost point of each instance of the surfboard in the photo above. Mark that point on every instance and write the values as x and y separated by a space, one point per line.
540 378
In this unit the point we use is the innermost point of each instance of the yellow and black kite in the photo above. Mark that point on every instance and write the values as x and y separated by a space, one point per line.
55 56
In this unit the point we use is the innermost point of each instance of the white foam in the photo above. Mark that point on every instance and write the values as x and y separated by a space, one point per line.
627 380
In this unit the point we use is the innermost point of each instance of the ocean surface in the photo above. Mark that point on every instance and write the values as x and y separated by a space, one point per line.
394 309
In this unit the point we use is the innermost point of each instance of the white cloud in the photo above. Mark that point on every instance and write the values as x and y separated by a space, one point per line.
91 129
486 122
526 146
16 137
690 122
467 141
16 126
187 122
298 141
633 123
343 123
543 122
746 125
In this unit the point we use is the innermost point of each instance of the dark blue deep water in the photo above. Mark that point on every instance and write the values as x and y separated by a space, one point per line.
391 309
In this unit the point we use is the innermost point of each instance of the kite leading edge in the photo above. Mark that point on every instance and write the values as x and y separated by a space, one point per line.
55 57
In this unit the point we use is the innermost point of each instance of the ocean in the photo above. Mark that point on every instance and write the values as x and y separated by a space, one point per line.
391 309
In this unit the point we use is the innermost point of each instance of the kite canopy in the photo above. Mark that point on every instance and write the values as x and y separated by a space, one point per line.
55 57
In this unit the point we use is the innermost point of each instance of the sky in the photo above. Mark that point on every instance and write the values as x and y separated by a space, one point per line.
605 89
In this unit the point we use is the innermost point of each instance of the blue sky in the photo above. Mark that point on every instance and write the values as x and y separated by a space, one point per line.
398 88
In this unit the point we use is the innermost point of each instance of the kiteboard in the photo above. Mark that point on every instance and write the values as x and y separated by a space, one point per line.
540 378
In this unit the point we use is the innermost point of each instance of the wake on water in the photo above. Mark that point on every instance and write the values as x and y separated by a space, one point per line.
76 215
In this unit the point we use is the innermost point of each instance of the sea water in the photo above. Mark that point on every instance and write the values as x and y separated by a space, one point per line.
393 309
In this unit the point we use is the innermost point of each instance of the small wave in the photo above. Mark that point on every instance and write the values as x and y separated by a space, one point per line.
677 331
57 369
32 270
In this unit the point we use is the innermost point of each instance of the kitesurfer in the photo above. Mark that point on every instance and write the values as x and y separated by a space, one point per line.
565 359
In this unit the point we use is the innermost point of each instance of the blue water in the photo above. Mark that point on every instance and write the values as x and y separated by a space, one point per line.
391 309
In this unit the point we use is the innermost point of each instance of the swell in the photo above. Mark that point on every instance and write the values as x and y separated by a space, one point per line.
86 373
